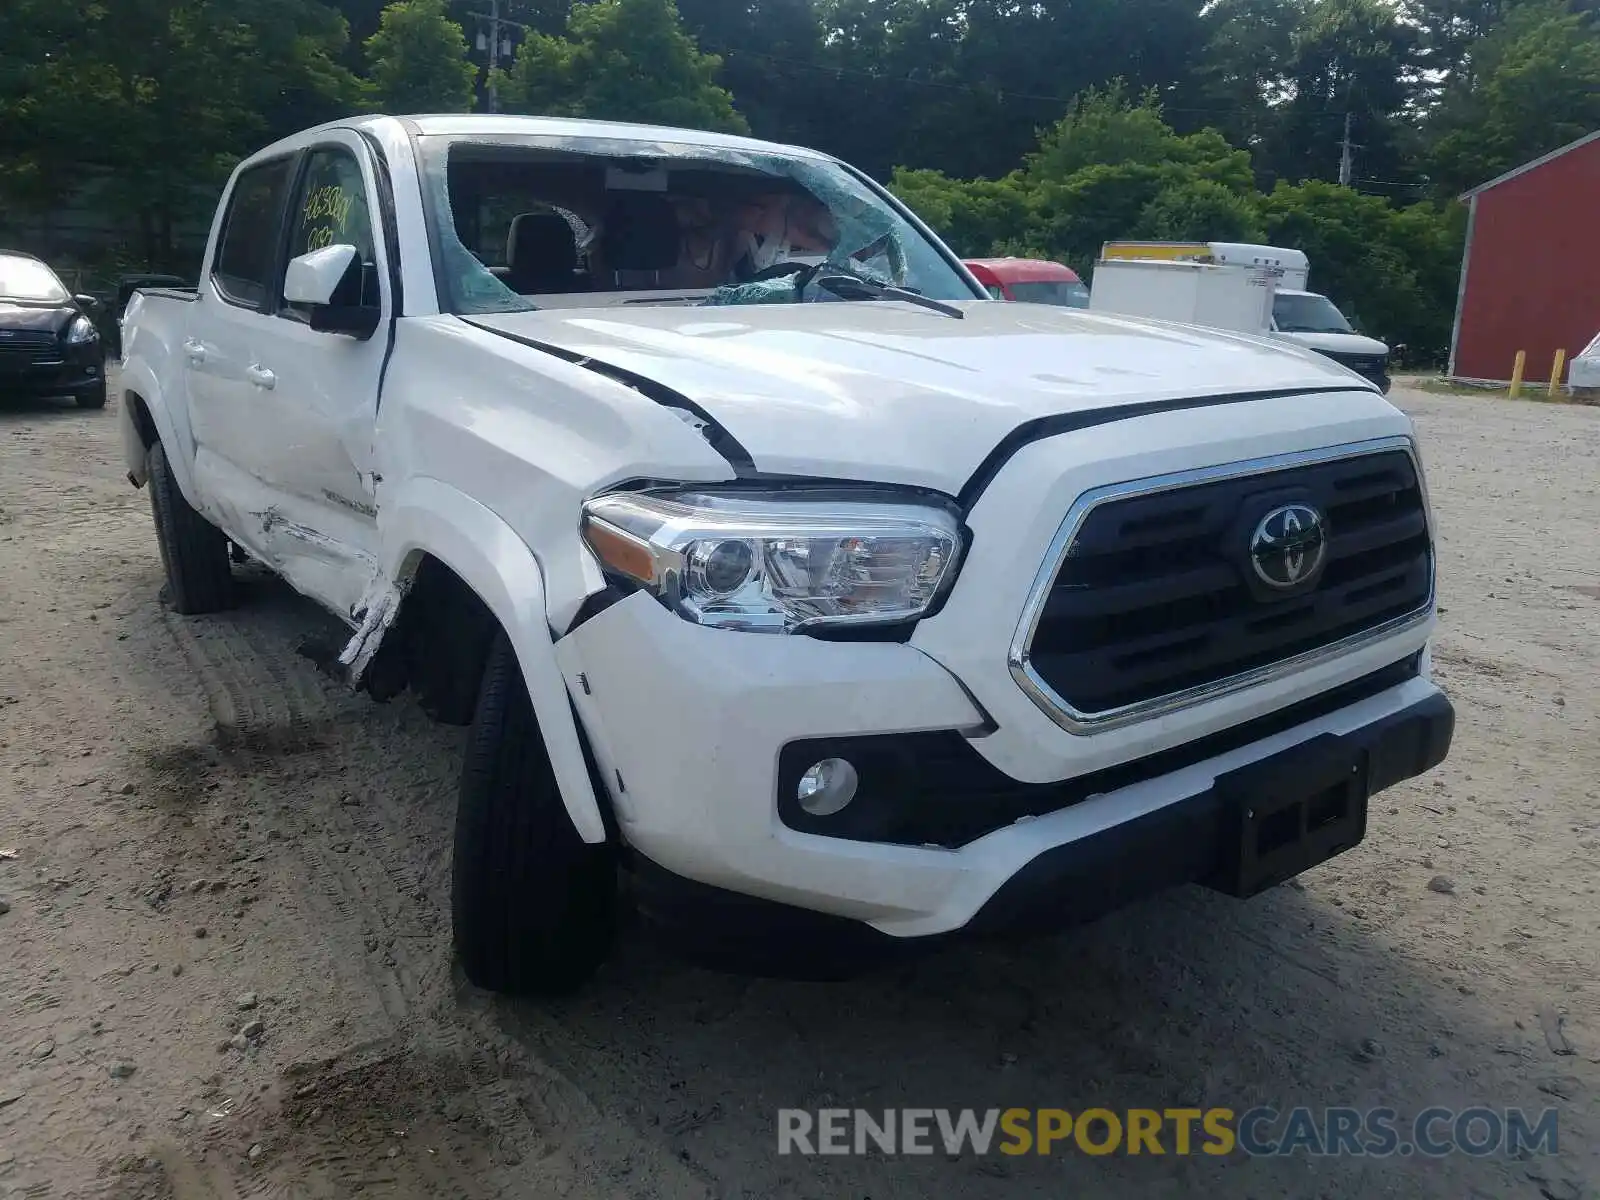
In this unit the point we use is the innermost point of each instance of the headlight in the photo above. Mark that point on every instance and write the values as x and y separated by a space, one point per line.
776 562
81 330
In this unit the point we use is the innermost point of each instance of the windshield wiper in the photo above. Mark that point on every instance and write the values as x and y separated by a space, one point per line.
846 286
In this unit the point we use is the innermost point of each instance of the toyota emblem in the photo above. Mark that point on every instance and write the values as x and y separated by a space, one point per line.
1288 546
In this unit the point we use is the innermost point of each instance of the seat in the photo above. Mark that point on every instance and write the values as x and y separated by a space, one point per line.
639 235
541 255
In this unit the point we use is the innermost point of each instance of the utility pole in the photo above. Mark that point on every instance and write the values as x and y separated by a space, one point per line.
494 59
493 42
1346 161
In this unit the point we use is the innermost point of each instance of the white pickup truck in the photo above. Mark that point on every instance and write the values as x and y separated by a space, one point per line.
771 563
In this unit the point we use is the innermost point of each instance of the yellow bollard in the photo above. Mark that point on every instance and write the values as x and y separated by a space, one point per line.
1516 373
1555 373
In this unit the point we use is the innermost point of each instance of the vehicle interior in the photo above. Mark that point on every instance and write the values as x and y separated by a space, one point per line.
597 222
560 225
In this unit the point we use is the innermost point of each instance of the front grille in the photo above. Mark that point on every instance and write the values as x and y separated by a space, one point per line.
1155 595
20 348
1362 364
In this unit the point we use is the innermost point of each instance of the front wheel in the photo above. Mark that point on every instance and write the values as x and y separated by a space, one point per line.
199 579
94 397
534 906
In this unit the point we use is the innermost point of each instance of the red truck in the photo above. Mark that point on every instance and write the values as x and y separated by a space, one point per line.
1035 280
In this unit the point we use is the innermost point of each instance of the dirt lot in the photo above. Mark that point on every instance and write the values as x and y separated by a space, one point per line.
209 834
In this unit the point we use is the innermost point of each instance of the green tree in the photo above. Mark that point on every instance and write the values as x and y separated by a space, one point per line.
625 60
1109 127
1111 168
1199 210
1112 160
1531 87
1392 270
1352 57
142 106
976 217
1450 29
417 60
771 54
1248 46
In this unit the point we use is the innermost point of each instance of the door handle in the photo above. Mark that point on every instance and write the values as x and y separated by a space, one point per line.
195 351
260 376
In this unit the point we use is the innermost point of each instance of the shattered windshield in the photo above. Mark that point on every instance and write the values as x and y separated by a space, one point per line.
524 222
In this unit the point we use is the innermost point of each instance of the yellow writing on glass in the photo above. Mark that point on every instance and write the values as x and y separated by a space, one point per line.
330 203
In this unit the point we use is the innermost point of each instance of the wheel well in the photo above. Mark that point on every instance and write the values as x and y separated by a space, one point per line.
140 413
438 645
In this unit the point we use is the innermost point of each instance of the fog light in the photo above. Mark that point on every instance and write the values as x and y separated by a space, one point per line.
827 787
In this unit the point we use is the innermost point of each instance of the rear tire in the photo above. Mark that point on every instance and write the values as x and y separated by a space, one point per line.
194 551
534 906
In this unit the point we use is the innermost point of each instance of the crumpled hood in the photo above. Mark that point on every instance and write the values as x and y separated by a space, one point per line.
893 393
53 318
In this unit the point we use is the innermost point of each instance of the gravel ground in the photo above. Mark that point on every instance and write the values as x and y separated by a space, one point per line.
224 959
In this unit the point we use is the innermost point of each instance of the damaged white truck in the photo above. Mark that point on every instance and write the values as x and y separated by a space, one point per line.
774 567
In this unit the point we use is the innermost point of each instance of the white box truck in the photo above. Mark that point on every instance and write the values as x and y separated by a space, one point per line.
1194 293
1291 314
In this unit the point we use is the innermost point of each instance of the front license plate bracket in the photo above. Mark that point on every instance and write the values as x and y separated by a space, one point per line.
1289 812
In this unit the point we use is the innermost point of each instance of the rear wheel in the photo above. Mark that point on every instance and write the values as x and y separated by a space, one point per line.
535 906
193 550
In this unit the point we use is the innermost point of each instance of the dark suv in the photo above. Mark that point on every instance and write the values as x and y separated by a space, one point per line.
49 344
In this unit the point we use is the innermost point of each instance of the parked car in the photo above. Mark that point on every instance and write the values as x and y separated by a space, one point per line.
49 345
1035 280
768 561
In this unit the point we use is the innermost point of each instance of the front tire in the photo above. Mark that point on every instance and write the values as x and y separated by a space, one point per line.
194 551
534 906
94 397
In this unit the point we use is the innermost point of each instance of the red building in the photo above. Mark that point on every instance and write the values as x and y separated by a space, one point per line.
1530 273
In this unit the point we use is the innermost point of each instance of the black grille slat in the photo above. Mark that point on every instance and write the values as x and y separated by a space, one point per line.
1080 602
1142 608
24 348
28 339
1377 535
1335 615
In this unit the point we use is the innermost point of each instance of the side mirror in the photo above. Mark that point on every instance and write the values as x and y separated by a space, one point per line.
328 283
87 302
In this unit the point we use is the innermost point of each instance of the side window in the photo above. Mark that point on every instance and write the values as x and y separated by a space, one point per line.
331 209
994 291
243 267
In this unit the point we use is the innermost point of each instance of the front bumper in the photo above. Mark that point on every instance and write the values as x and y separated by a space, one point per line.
68 371
689 726
1190 840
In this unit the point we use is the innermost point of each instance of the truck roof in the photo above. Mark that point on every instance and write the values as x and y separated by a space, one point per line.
1022 270
506 125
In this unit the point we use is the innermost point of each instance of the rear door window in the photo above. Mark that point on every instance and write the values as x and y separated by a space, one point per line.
247 248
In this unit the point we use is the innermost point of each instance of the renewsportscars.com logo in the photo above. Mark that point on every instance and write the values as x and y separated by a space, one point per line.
1259 1132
